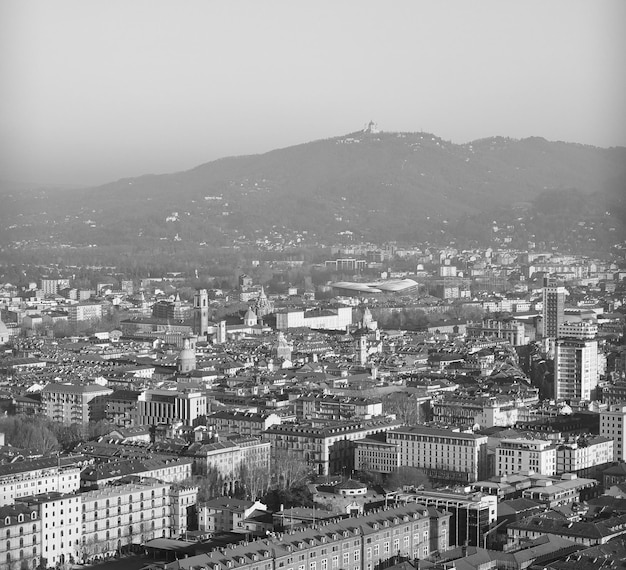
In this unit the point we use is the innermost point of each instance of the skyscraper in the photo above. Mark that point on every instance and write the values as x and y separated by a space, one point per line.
575 368
553 307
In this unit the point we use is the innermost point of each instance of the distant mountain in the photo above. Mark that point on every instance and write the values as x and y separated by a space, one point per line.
376 186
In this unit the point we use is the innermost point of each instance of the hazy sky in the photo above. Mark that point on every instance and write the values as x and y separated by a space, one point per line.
95 90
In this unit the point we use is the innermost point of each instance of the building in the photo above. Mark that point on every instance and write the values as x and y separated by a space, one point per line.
328 447
168 406
170 470
575 369
564 491
443 454
376 454
472 514
242 423
201 313
121 408
83 312
60 525
333 407
174 310
225 514
525 455
71 403
587 533
52 286
553 307
587 456
514 332
45 475
227 458
183 501
20 530
371 541
117 516
584 329
612 425
324 319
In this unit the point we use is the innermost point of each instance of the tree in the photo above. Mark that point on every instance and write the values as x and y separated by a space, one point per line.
405 406
29 433
255 480
289 468
407 477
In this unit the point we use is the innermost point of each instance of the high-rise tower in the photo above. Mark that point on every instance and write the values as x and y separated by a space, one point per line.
575 368
553 307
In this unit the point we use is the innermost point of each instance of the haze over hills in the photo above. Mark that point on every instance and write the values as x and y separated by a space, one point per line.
366 185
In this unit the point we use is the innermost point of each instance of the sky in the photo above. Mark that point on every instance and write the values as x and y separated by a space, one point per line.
96 90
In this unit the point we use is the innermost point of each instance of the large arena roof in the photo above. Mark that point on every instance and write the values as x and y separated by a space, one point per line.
388 286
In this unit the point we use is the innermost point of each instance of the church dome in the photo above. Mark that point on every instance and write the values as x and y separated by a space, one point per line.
187 358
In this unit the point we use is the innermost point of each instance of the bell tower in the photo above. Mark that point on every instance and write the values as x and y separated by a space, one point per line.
201 312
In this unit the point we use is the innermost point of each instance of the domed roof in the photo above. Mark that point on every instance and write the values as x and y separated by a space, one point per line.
350 484
186 357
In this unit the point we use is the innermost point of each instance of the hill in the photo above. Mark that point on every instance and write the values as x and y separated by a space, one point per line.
364 185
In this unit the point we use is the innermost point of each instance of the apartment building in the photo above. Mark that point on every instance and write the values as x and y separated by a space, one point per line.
242 423
515 455
225 514
20 530
567 489
328 447
121 408
585 456
70 403
53 286
582 532
575 369
333 407
169 470
513 332
183 499
586 329
443 454
32 477
553 307
83 312
227 457
369 542
372 454
117 516
60 525
612 425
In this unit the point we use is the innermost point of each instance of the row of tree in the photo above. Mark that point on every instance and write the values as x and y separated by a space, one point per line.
42 436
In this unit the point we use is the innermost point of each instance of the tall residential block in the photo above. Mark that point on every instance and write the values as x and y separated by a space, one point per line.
553 307
575 369
612 424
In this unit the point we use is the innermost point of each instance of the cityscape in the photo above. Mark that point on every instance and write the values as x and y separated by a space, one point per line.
474 404
296 285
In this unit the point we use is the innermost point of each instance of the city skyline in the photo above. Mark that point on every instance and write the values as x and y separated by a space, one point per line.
104 90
